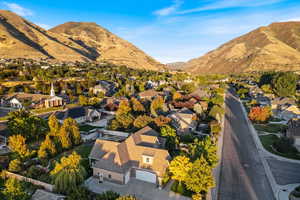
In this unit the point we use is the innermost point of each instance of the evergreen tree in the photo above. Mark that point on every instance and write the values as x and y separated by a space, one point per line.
285 84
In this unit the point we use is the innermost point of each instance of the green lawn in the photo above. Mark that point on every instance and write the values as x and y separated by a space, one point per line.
84 150
86 127
268 140
271 128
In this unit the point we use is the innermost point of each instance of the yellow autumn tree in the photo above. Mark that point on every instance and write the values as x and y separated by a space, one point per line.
53 125
176 96
17 143
180 167
137 105
47 148
200 177
142 121
68 173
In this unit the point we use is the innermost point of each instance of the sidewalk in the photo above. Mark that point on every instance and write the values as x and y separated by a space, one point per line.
281 192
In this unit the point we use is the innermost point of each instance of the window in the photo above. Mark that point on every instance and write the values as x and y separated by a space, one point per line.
147 160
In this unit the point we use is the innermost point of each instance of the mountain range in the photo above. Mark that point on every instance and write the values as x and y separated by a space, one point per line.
273 47
72 41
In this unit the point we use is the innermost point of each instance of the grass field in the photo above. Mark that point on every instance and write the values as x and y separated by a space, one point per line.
270 128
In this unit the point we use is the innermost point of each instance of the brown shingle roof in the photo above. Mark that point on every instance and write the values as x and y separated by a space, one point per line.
119 157
149 93
26 96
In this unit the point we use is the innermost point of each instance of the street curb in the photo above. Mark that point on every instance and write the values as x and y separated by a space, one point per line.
217 170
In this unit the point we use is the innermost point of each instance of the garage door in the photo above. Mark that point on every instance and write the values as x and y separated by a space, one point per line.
145 176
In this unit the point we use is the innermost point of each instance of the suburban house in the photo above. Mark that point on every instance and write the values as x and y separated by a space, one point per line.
140 156
80 114
285 108
200 93
21 100
149 94
255 92
293 131
184 120
105 87
263 100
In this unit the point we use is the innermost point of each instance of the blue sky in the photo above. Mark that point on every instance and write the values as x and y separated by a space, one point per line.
168 30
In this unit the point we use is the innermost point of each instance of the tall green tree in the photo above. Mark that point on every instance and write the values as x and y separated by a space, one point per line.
30 126
285 84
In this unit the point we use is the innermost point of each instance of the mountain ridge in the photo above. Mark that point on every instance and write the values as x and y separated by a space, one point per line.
20 38
273 47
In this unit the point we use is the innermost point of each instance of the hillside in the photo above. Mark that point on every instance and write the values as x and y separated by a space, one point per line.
71 41
274 47
105 46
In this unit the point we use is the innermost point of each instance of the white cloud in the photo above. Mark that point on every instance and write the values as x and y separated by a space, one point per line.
297 19
45 26
221 4
18 9
169 10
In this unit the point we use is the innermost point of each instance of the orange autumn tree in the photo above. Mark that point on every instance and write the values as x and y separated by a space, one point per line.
259 114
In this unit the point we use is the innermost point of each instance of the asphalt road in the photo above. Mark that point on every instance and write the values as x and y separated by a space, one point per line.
284 172
242 173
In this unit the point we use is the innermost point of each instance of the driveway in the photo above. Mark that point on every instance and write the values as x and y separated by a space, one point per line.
140 189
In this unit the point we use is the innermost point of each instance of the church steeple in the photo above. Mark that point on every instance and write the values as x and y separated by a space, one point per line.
52 91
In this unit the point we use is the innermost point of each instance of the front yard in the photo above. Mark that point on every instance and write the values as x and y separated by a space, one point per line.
270 128
279 146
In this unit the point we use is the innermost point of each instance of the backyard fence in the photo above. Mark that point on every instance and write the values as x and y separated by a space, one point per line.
46 186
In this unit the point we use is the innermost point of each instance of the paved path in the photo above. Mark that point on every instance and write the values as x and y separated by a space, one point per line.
243 175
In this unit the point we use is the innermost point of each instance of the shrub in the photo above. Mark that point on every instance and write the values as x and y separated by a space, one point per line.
108 195
15 166
285 145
